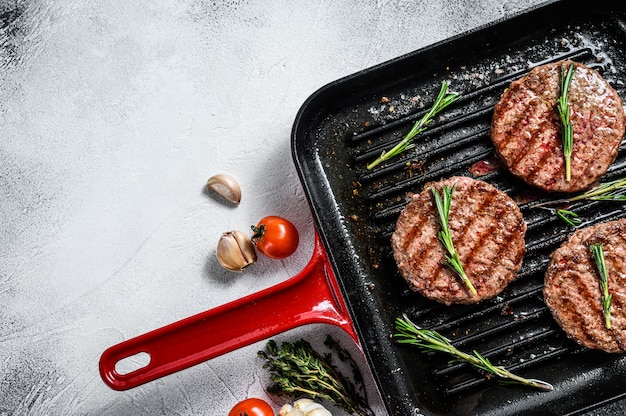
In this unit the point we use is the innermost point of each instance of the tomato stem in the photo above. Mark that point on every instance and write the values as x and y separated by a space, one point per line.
259 232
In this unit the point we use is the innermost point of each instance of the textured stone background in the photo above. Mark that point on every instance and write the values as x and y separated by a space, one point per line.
112 116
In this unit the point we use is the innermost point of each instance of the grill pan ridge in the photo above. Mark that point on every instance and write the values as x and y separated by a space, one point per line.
349 122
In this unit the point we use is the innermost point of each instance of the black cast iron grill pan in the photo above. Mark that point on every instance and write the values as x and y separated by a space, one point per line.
348 123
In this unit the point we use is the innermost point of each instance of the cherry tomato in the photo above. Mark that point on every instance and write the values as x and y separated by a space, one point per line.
251 407
275 237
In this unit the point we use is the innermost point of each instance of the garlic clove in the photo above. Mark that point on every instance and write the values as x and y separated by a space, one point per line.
285 410
226 186
311 408
289 410
304 407
318 411
235 251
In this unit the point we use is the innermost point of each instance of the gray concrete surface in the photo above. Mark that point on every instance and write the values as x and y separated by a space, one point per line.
113 115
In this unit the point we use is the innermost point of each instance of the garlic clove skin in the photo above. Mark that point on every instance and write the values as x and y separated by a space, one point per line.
226 186
235 251
288 410
304 407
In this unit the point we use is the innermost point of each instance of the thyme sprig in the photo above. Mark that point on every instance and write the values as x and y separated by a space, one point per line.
567 133
608 191
443 100
598 256
428 340
452 260
296 369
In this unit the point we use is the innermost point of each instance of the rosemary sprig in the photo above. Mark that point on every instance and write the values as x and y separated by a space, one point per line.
567 134
452 260
428 340
598 256
607 191
443 100
298 370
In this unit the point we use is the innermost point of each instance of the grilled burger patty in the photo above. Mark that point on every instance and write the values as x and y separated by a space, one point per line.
572 287
526 127
487 230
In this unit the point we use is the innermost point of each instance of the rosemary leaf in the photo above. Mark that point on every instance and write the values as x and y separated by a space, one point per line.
428 340
598 256
452 260
570 217
607 191
567 133
443 100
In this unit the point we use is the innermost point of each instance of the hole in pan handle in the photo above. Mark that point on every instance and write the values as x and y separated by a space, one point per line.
311 296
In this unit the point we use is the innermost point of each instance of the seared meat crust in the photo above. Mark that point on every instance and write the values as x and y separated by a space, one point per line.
572 287
526 128
487 229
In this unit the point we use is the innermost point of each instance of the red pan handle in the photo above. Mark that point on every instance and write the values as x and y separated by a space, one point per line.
311 296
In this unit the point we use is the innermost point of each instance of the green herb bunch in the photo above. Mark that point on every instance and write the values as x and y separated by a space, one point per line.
597 252
296 369
452 259
443 100
567 135
428 340
606 191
